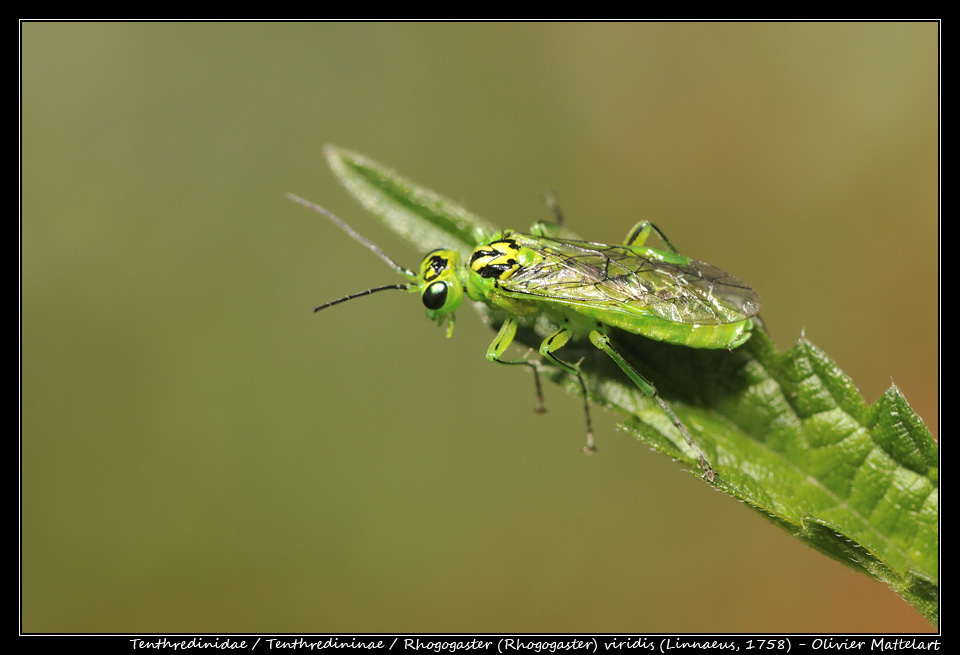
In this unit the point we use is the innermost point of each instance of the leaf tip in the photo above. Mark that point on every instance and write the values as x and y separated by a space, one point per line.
336 156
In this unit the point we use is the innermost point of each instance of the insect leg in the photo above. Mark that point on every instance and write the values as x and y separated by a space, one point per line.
638 236
500 344
549 346
555 229
602 341
554 206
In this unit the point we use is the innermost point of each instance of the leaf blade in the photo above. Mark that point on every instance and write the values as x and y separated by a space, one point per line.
421 216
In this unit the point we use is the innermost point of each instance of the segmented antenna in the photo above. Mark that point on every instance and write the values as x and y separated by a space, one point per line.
356 236
402 287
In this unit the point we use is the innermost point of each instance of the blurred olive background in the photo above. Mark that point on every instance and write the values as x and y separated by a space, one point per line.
200 452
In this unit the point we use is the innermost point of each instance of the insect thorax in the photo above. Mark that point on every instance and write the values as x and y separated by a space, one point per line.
496 260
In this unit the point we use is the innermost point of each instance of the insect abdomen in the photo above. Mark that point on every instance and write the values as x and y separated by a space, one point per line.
726 335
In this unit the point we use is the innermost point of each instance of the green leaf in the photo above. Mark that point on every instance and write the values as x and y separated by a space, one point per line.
421 216
791 436
787 434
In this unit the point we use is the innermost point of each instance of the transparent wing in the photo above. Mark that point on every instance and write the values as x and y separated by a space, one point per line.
578 272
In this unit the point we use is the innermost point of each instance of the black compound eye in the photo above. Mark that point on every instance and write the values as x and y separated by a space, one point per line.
435 295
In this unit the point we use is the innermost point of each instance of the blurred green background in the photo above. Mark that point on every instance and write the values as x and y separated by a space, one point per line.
202 453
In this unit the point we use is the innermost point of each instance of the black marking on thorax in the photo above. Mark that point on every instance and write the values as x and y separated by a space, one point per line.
496 260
